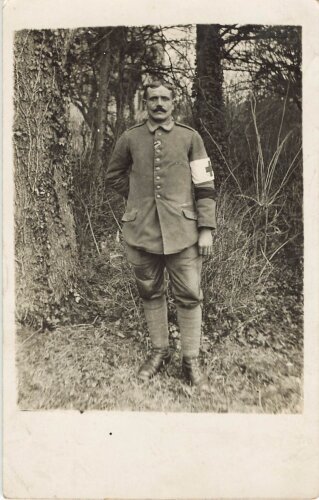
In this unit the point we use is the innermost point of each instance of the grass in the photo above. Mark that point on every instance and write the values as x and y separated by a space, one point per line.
94 368
252 341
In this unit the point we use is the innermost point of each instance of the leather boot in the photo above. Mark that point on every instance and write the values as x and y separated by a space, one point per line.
160 356
192 373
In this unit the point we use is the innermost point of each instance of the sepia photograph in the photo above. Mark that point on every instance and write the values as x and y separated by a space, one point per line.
158 210
160 243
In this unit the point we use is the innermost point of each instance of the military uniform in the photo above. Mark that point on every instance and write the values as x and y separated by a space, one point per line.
165 174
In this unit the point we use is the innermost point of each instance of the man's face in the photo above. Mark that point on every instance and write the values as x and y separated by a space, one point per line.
159 103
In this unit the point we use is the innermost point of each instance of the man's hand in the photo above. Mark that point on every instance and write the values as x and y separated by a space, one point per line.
205 242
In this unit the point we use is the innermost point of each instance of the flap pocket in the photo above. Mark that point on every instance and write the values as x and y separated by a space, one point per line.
129 216
189 214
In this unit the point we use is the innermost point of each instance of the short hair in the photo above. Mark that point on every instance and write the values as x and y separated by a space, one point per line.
158 83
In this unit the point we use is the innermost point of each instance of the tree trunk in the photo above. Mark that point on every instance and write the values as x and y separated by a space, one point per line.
102 109
121 88
45 239
209 103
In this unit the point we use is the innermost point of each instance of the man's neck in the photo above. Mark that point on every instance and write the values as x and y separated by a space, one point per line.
159 124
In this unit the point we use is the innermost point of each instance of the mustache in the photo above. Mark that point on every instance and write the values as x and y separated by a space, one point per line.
159 108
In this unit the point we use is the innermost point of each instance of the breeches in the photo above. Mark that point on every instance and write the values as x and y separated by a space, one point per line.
184 269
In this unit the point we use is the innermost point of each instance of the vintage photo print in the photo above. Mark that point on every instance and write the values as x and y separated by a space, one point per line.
108 240
160 278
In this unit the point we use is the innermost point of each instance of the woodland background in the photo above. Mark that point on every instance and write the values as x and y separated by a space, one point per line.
80 330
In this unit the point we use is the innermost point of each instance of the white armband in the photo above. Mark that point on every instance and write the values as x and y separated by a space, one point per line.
201 170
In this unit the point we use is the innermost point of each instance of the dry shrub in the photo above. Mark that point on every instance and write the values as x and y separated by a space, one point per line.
235 273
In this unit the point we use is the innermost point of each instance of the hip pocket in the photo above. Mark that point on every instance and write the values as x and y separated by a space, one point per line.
189 214
129 215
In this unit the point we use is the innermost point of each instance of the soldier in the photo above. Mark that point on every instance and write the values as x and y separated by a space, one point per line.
161 167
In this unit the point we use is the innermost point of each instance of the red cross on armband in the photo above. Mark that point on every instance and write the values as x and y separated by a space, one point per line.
201 170
209 169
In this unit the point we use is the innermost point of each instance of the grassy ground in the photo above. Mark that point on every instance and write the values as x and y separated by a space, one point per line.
252 347
94 368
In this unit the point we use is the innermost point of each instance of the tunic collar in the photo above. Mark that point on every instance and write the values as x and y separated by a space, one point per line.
166 126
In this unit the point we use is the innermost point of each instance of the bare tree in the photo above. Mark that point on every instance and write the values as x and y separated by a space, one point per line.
209 106
45 238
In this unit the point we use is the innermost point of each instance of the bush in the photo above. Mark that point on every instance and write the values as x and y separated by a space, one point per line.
235 273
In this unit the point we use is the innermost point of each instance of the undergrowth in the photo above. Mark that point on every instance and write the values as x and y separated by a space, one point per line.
252 336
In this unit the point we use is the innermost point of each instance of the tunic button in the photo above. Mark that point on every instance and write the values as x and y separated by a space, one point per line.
157 160
158 187
158 196
157 177
157 168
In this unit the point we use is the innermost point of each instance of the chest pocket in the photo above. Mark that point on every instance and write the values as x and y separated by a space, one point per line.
182 163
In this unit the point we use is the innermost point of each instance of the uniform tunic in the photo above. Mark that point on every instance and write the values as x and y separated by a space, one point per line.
166 176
